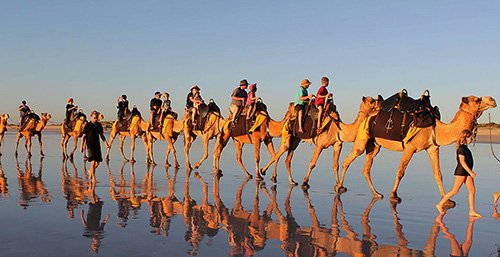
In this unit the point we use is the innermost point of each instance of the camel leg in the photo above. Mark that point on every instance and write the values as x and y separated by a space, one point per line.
285 144
272 152
132 148
337 148
27 145
63 146
405 160
112 137
188 141
41 144
358 148
148 145
18 137
1 138
174 153
256 152
372 151
433 153
206 139
122 141
220 143
239 150
75 141
317 152
167 152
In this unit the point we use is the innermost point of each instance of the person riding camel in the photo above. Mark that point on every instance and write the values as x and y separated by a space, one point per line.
24 110
193 100
122 105
322 97
154 105
302 99
238 99
70 111
165 106
252 98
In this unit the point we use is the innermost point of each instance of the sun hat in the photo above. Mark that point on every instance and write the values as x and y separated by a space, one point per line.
244 83
306 82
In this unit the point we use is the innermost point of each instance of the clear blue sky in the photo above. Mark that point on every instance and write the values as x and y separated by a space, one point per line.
95 51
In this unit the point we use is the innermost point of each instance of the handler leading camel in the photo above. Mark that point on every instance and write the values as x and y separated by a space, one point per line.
428 139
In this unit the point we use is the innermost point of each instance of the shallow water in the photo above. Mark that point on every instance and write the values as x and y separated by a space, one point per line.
157 211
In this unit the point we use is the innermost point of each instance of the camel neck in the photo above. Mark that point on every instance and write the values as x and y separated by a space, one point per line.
348 131
448 133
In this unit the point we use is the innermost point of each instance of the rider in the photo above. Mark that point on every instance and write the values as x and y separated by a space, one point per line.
155 105
193 101
122 105
321 98
302 98
70 109
251 100
238 99
135 112
24 110
165 106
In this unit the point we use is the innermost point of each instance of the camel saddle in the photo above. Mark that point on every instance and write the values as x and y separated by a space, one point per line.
73 118
400 112
203 113
310 121
243 125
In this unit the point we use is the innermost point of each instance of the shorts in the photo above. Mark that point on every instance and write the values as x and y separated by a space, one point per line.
300 107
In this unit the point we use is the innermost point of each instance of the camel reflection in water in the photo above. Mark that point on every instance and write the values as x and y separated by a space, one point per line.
73 187
4 186
249 230
31 186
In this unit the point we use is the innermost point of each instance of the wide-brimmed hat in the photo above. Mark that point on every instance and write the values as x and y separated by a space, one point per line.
253 86
306 82
194 87
244 83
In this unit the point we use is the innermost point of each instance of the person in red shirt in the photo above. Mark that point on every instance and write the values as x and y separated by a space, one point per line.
321 98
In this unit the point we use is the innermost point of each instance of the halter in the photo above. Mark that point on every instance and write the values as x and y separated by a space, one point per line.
475 116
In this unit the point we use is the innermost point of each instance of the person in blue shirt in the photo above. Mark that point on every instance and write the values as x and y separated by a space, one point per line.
302 99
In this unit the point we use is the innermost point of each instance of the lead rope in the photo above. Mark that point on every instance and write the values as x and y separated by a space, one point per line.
491 144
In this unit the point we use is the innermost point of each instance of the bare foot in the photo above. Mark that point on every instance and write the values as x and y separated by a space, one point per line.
496 195
475 214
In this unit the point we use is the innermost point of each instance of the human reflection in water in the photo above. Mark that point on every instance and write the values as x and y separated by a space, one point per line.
127 200
495 214
458 249
31 186
94 229
4 186
72 187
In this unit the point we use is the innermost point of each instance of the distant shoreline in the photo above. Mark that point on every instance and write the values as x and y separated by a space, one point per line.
483 134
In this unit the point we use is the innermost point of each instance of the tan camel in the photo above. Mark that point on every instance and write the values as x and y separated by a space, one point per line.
212 128
3 128
32 128
428 139
329 136
265 133
170 130
75 132
138 127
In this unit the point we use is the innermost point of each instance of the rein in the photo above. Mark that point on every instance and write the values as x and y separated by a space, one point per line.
491 144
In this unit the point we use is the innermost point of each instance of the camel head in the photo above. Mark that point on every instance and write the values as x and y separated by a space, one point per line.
290 111
4 118
368 105
100 117
46 116
477 105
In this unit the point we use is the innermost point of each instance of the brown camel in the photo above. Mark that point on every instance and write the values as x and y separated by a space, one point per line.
138 127
170 130
329 136
75 132
265 133
212 128
32 128
428 139
3 128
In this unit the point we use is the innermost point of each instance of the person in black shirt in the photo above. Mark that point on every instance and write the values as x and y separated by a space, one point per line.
70 109
24 110
154 106
91 133
463 173
122 107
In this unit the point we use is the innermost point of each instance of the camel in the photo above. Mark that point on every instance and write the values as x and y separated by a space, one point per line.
331 135
75 132
265 133
428 139
212 128
170 130
3 128
32 128
137 127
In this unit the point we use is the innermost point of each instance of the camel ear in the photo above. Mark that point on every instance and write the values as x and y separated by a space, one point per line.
364 98
465 100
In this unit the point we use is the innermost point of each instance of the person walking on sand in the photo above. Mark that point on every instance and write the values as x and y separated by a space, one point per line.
302 99
463 173
91 133
322 98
